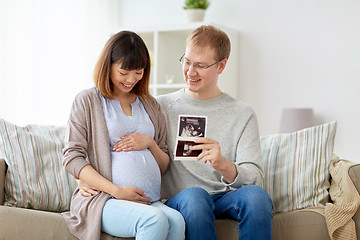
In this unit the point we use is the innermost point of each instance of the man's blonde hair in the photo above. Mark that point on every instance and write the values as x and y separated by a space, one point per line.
207 35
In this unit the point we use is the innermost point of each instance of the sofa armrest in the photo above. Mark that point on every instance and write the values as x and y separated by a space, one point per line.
354 173
2 180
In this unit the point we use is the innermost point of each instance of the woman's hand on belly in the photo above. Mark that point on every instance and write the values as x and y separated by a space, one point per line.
130 193
133 142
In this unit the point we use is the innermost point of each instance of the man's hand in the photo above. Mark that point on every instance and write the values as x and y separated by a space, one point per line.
211 152
85 189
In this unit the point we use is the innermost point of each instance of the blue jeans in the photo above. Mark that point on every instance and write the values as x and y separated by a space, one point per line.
122 218
250 205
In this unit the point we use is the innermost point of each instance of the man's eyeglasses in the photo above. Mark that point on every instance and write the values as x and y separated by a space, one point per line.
197 66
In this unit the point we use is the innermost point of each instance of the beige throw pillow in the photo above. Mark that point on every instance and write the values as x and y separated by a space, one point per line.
35 176
296 167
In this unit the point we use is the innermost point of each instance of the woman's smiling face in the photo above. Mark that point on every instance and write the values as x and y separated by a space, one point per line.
124 80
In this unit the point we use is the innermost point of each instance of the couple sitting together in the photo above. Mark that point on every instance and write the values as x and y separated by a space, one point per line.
119 139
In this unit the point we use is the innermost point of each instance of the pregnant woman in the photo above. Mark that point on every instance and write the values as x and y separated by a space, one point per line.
115 143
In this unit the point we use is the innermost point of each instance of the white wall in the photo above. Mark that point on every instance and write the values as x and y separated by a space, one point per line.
293 53
48 49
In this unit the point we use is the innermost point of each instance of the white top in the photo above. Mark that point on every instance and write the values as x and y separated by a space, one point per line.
134 168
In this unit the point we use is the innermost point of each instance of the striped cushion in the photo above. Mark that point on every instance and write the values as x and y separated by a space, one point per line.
296 167
35 177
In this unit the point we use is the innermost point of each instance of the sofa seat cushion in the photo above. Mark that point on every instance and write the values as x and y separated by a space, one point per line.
21 223
299 225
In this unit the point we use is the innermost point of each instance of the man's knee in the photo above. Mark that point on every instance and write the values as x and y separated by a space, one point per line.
191 201
255 198
195 193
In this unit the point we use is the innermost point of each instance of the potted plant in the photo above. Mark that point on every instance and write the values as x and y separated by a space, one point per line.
195 9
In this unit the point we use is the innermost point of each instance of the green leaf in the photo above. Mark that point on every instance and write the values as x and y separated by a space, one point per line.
196 4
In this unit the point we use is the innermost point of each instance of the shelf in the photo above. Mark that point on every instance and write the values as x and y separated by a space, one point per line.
169 86
166 44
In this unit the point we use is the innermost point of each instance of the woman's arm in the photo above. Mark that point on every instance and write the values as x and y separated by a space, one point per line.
90 176
161 158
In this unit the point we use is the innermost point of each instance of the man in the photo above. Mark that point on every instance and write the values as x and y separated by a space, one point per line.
223 182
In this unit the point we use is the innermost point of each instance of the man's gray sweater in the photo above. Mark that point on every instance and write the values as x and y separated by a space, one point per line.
230 122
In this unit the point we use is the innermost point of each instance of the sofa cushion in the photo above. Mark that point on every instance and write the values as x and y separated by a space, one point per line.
296 167
299 225
35 177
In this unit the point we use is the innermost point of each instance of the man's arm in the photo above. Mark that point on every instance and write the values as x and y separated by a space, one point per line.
246 169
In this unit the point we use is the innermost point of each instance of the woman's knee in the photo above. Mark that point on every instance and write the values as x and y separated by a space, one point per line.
156 219
156 216
177 224
154 224
176 218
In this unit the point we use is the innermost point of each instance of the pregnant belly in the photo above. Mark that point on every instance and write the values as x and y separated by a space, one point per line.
138 169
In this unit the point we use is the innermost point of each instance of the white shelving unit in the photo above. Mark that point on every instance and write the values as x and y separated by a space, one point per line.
166 45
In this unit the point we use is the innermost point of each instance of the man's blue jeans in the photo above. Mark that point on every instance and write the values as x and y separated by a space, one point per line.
250 205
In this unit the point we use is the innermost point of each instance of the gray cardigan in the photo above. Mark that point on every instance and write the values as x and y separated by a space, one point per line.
87 142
